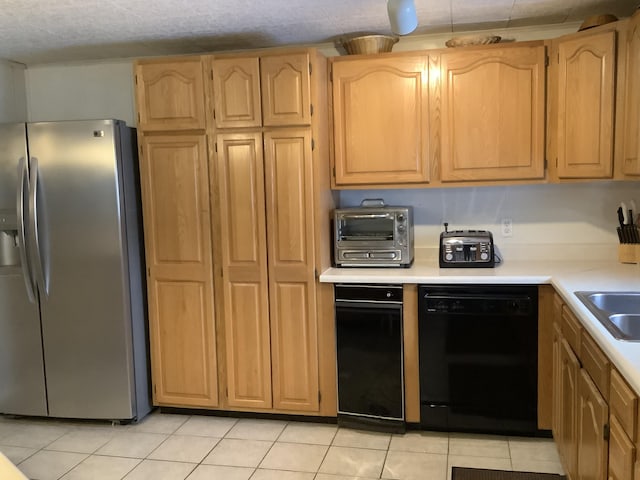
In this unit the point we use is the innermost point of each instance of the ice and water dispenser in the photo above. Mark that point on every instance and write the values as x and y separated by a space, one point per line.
9 252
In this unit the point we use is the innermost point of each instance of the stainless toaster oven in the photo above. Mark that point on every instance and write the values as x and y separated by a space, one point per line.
373 235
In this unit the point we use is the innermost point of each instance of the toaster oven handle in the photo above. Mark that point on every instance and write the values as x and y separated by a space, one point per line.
369 215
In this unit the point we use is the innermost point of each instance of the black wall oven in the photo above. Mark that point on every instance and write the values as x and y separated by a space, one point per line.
478 358
370 365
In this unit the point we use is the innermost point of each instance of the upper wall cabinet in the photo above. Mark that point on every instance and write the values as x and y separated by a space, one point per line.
236 87
631 165
170 94
585 105
492 107
254 91
380 120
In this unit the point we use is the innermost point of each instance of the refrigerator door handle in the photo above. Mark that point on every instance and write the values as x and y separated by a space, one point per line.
41 279
23 178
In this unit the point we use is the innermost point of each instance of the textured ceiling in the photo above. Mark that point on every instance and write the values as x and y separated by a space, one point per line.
38 31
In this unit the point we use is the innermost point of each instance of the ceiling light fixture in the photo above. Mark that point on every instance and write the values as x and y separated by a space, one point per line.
402 16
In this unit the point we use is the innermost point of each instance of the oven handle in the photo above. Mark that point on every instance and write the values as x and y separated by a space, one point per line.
368 304
367 215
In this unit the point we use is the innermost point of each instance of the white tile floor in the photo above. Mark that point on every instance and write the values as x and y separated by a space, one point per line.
179 447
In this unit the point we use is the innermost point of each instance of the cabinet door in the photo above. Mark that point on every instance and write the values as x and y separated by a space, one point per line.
240 179
380 121
493 114
631 164
568 442
556 419
170 95
285 90
294 336
622 452
175 198
236 92
585 106
592 420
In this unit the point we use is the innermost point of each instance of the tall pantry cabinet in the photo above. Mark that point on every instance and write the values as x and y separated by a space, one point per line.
272 181
247 200
174 175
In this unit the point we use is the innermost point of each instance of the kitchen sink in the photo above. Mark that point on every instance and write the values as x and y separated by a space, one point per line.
619 312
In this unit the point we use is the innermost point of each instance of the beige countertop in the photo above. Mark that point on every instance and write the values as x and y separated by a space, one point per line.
566 277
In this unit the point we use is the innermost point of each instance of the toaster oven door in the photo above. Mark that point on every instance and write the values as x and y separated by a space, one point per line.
362 229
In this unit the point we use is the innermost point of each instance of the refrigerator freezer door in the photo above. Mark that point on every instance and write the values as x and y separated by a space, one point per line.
22 385
86 320
22 388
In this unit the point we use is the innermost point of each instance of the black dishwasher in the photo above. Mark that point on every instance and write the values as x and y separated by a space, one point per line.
478 349
370 356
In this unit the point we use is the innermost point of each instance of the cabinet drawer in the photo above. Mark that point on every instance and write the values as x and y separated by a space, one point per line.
595 362
571 329
623 402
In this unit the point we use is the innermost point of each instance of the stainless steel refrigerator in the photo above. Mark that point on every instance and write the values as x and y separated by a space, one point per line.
73 338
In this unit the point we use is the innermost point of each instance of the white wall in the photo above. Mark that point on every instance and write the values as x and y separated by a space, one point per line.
81 91
13 99
561 221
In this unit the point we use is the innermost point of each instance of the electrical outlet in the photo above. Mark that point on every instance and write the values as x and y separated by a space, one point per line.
507 227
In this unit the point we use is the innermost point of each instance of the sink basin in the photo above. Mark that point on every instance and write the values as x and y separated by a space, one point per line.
619 312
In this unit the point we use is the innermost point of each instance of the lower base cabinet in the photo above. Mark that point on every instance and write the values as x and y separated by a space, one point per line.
594 421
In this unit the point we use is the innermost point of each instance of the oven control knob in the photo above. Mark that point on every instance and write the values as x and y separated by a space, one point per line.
448 257
400 217
401 228
484 255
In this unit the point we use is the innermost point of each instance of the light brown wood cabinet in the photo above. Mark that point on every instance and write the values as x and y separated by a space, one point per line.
586 72
174 170
623 417
581 412
274 204
631 142
175 194
493 113
593 420
271 90
381 120
170 94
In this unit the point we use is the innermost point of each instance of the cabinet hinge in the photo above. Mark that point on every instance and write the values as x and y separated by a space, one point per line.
319 397
546 163
136 77
148 272
214 113
606 431
546 60
310 68
558 57
139 118
311 109
334 171
331 75
215 147
313 144
211 74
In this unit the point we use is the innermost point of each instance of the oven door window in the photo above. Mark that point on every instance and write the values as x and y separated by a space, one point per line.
374 227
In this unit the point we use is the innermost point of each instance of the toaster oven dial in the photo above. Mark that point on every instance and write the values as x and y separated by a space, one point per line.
484 255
